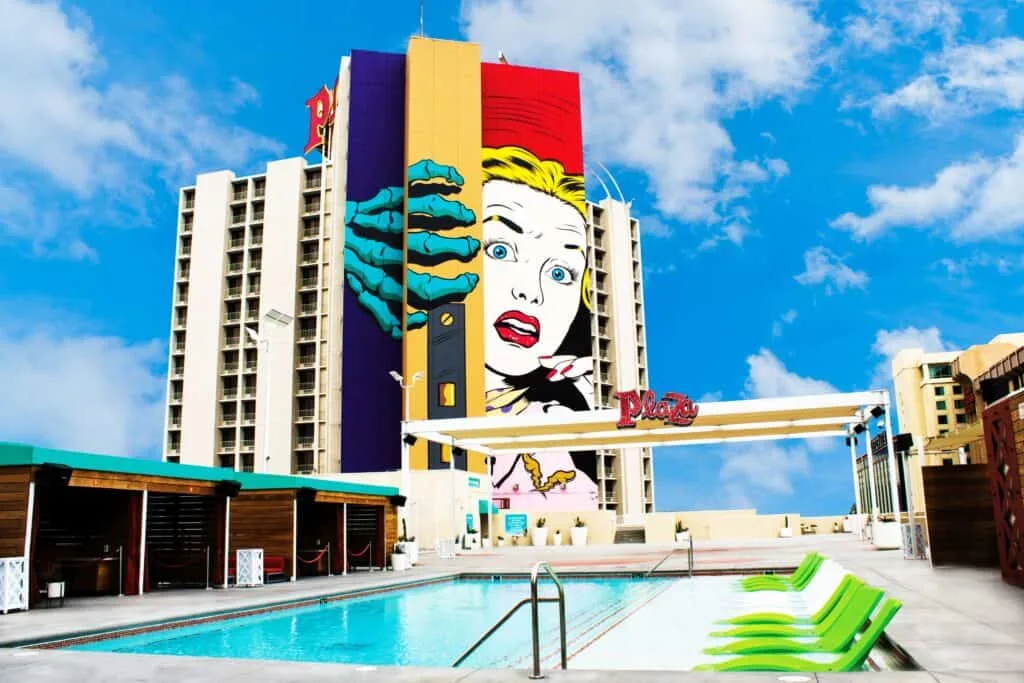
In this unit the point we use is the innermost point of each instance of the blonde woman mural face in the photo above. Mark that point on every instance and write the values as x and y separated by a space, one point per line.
535 259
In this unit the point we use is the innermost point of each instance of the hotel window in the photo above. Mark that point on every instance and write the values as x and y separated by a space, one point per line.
940 391
943 419
940 405
961 419
957 389
958 404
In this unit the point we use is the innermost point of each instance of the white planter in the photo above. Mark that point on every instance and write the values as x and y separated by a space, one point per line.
785 532
472 541
887 535
399 562
410 549
578 535
558 538
683 537
485 542
500 542
539 535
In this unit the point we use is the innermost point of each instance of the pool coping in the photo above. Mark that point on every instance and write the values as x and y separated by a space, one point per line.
69 639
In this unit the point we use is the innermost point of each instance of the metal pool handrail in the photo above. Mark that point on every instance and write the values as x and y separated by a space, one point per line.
689 560
534 601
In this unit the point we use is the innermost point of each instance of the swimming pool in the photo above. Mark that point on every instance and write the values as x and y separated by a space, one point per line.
428 625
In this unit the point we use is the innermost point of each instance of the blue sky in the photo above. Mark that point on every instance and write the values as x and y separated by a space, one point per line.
821 184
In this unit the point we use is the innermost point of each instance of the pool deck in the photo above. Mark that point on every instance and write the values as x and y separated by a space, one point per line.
958 624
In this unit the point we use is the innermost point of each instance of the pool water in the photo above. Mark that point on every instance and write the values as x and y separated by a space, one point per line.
423 626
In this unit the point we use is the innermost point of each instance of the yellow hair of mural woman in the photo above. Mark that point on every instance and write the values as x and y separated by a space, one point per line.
518 165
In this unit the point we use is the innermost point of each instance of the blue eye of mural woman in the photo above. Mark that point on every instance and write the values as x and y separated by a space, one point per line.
373 248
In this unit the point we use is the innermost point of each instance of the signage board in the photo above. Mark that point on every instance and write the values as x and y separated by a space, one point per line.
469 522
672 408
474 482
515 525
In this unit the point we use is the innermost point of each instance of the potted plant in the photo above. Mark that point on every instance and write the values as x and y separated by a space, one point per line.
558 537
682 532
786 532
399 558
472 539
409 545
578 533
887 534
539 533
515 540
501 541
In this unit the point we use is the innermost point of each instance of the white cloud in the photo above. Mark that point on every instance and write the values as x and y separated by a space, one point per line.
654 226
888 343
769 378
970 200
963 269
822 266
750 470
787 319
81 391
656 94
963 80
65 128
883 24
753 469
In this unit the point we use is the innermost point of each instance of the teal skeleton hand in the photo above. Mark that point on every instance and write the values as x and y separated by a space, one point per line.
373 247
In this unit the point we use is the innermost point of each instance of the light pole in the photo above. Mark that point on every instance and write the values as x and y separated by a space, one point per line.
406 486
851 441
278 319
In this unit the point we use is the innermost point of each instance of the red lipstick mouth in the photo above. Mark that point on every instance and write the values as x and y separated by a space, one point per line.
515 327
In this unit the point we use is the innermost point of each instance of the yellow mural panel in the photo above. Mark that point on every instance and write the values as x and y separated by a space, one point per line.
443 336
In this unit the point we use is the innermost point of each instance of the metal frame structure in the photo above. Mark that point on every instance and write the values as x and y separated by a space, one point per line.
763 419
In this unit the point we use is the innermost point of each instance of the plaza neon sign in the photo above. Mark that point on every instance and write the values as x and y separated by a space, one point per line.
673 409
321 108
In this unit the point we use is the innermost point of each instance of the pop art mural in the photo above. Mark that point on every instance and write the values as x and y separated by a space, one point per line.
466 259
537 295
371 332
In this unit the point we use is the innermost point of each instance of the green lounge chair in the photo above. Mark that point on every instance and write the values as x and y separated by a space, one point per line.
780 624
851 660
814 596
838 631
805 565
798 580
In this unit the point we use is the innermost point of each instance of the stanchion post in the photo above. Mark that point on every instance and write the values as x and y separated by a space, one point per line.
207 567
329 568
120 571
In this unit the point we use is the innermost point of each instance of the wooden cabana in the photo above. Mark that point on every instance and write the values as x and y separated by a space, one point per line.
105 525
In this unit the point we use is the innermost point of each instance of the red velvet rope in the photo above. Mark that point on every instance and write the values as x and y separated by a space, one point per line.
361 552
164 565
315 559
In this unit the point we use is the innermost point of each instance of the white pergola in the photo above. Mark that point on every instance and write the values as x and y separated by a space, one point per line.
765 419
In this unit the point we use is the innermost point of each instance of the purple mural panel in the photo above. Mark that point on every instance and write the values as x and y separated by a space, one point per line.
371 407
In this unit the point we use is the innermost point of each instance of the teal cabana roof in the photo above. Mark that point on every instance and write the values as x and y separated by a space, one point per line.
16 454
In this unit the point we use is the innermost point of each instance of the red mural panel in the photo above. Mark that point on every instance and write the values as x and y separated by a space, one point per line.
537 296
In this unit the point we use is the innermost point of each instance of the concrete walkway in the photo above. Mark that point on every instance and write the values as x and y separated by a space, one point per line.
959 624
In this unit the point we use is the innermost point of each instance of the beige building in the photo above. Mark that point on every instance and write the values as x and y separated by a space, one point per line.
240 288
620 348
284 283
933 406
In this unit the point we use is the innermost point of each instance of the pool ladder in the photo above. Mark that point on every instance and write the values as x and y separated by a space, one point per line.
534 601
689 560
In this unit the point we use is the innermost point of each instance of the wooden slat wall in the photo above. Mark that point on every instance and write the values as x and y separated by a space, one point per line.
135 482
13 510
961 528
263 520
390 511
